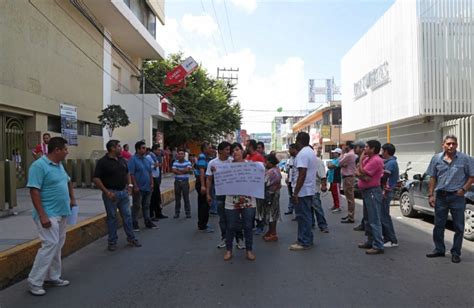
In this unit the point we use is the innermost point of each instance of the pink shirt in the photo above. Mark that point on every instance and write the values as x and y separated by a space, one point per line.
373 167
348 163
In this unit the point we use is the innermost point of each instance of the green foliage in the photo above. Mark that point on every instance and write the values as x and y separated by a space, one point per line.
113 117
205 110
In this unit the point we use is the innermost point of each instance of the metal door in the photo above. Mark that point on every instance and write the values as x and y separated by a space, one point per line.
13 141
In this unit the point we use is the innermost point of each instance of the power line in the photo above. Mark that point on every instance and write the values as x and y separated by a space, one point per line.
205 12
219 26
228 26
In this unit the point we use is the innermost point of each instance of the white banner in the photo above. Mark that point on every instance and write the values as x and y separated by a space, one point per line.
69 123
246 179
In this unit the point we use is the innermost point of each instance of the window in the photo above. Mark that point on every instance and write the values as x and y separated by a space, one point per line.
336 116
143 12
116 80
326 118
81 128
54 124
95 129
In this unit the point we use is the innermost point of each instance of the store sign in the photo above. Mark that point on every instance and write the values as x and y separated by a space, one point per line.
326 131
371 81
69 123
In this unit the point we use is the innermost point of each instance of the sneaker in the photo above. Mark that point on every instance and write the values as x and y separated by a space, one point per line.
213 213
359 228
136 228
36 290
162 216
298 247
325 230
134 243
151 225
188 216
259 231
336 210
364 246
112 247
221 244
176 216
390 244
288 213
240 244
347 221
57 283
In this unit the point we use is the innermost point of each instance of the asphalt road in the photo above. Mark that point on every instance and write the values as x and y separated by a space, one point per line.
180 267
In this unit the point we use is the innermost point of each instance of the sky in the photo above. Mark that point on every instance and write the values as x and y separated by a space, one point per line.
277 46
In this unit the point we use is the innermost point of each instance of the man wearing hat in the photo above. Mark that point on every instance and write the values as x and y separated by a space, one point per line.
334 178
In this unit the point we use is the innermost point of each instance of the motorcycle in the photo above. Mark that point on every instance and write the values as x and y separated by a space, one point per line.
402 183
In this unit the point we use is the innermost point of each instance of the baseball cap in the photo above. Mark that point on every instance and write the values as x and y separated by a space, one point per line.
337 150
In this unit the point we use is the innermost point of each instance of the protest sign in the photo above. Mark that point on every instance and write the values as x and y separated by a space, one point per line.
246 179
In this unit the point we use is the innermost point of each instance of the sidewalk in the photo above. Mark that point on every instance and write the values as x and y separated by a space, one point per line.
18 229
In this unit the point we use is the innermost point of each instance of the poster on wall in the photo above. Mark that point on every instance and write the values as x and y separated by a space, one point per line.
69 123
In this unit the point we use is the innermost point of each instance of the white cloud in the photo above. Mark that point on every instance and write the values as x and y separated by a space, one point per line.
284 86
247 5
202 25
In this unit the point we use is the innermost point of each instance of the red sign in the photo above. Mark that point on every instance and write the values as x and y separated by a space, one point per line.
176 76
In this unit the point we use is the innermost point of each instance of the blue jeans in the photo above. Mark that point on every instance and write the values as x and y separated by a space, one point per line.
223 220
141 199
236 220
387 226
373 225
303 217
317 209
291 207
456 205
123 205
213 208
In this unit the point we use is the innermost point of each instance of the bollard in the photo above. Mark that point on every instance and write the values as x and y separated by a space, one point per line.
10 184
2 187
78 173
88 172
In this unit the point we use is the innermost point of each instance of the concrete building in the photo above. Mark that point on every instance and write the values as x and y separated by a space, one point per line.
277 139
324 127
266 138
86 54
409 75
287 135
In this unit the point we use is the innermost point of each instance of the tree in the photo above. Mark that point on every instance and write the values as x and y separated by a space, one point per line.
205 111
113 117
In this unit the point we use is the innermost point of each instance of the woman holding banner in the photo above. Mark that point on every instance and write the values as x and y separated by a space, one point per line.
271 209
239 213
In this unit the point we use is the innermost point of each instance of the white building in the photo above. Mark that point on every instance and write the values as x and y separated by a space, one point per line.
411 73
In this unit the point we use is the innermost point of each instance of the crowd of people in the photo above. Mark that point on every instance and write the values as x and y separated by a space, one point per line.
119 174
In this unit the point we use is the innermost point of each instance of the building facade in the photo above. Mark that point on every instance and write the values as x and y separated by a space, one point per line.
409 74
84 54
324 127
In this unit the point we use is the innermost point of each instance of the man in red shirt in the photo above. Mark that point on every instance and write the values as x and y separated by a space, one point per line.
42 148
253 155
370 172
125 154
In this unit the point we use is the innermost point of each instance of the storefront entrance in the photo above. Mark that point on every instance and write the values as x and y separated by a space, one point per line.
13 144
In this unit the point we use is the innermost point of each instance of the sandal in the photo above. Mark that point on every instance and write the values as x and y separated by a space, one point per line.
250 256
271 238
228 255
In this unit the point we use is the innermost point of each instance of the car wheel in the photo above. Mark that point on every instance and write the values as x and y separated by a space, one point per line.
406 206
469 222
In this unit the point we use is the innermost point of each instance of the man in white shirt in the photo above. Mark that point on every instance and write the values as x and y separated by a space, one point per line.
303 192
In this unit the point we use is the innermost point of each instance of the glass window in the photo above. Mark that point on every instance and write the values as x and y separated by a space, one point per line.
116 80
81 128
336 116
326 118
95 129
54 124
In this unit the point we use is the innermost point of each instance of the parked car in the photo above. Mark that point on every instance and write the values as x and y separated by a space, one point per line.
414 200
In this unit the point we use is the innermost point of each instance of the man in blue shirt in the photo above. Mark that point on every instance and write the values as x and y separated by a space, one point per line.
181 168
389 181
52 196
155 160
452 174
142 180
200 173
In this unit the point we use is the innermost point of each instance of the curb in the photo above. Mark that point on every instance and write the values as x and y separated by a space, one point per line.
16 262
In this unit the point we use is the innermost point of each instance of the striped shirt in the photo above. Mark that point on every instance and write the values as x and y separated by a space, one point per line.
181 167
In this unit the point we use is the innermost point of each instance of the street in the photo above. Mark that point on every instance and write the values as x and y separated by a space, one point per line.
180 267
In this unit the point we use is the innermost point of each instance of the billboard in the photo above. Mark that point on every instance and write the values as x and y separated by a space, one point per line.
68 115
